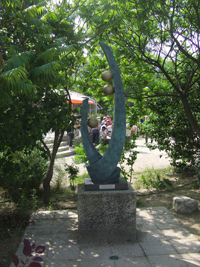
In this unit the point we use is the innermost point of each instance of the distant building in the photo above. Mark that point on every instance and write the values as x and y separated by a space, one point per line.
77 99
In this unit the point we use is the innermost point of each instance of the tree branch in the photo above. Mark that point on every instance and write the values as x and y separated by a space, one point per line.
178 43
152 96
188 86
6 22
46 147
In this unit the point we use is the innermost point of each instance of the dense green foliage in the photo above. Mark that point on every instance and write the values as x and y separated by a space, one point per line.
37 44
168 125
22 175
27 121
39 51
156 45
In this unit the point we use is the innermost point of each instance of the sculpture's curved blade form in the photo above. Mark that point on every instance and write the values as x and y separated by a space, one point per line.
92 154
102 169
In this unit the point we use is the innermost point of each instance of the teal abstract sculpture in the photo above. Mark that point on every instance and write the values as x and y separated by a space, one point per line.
103 169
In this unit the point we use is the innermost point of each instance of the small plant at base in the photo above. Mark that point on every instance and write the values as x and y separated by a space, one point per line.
59 174
27 203
73 172
152 179
50 204
27 251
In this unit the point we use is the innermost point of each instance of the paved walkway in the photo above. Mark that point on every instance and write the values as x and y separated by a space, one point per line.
161 242
149 158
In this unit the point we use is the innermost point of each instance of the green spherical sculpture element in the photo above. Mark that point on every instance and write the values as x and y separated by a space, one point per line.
108 89
106 76
92 122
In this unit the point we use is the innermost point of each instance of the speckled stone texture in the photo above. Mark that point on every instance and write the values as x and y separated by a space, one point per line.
183 204
106 216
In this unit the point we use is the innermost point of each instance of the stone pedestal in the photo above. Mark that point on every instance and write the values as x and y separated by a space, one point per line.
106 216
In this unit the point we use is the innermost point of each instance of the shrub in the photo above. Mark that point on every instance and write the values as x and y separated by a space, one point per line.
22 174
152 179
80 156
72 171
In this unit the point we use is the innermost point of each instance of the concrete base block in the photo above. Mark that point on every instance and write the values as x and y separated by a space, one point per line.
106 216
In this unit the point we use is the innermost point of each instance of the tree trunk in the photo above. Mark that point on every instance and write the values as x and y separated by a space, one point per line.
47 180
191 118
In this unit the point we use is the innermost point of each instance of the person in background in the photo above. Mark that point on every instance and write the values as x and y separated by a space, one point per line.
106 125
71 138
71 134
79 128
78 123
103 121
128 131
108 120
109 128
95 133
134 129
103 132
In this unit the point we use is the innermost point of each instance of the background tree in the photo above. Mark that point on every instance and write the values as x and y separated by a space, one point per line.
40 51
156 44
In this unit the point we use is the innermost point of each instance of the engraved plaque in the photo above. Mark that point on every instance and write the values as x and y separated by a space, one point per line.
106 186
90 186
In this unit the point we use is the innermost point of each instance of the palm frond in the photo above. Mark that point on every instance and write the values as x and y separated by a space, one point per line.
17 61
49 16
65 49
34 21
16 48
37 9
11 3
13 75
45 72
24 87
58 42
29 32
40 6
31 11
46 55
4 98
